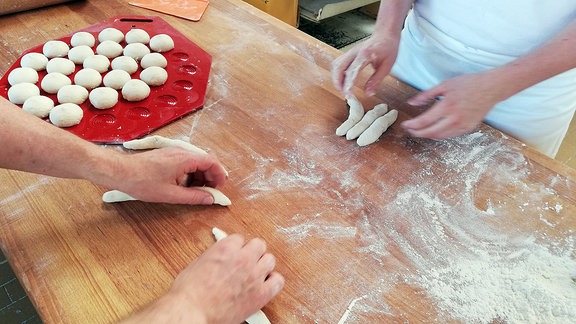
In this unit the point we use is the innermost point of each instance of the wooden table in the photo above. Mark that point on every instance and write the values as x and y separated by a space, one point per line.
405 230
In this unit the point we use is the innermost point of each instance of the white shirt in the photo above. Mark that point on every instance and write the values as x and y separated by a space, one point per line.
507 27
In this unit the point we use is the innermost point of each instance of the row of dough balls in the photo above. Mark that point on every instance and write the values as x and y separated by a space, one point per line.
87 81
366 128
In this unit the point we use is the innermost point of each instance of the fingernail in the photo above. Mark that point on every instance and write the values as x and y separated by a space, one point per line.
209 200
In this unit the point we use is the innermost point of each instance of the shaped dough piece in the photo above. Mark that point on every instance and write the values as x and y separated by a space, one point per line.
137 35
33 60
116 79
38 106
82 38
153 59
66 115
161 43
103 98
355 115
61 65
88 78
55 48
259 317
157 141
135 90
114 196
109 48
80 53
52 82
136 51
111 34
97 62
19 93
23 75
154 76
366 121
378 127
72 93
125 63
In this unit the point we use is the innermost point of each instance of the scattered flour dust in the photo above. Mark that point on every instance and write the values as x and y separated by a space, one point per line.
472 271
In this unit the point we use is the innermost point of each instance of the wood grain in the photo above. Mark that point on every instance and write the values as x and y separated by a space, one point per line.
346 223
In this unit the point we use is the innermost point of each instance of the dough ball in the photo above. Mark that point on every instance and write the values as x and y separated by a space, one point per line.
79 53
82 38
153 59
111 34
66 115
22 75
135 90
18 93
72 93
97 62
37 61
161 43
125 63
116 79
88 78
154 76
103 97
38 106
55 48
136 50
52 82
109 48
137 35
60 64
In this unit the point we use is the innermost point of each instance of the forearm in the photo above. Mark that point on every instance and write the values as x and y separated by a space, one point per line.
27 141
391 16
552 58
167 309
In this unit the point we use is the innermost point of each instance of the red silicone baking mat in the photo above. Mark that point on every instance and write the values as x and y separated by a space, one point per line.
188 72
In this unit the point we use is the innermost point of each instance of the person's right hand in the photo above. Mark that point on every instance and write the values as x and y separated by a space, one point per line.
379 51
230 281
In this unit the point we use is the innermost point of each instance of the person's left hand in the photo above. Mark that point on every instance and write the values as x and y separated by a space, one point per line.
462 104
164 175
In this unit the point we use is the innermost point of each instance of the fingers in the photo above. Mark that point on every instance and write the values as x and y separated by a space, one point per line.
339 67
438 123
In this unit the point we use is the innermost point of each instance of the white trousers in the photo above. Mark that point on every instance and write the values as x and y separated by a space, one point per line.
538 116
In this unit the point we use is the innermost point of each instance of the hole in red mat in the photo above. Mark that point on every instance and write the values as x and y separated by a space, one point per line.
136 20
192 98
138 112
190 69
182 85
167 100
180 56
103 120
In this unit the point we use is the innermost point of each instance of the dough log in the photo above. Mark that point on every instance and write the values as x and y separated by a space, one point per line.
366 121
355 115
378 127
259 317
114 196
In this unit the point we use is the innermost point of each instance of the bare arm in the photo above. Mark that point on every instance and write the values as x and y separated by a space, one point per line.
33 145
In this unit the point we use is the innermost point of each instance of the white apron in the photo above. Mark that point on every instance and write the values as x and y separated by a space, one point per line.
539 116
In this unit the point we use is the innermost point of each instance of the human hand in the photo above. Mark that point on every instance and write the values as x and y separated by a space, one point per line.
463 103
165 175
229 282
379 51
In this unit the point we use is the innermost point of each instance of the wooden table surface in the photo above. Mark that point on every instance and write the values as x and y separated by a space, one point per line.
473 229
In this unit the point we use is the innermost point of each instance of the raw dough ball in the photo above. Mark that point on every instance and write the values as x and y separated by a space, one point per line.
66 115
52 82
161 43
72 93
88 78
97 62
22 75
103 97
79 53
125 63
38 106
18 93
82 38
116 79
137 36
36 61
154 76
111 34
136 50
153 59
135 90
55 48
62 65
109 48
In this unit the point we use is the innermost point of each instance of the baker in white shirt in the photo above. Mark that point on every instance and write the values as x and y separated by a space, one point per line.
509 63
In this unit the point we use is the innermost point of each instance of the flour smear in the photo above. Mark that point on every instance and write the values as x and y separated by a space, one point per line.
469 269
